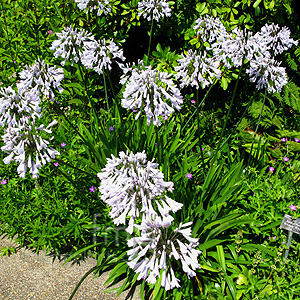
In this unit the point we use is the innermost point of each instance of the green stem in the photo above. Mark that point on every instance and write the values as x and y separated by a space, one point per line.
198 128
228 114
105 89
111 85
150 39
186 123
158 144
237 124
259 119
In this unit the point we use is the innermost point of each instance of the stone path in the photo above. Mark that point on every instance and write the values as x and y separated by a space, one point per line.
29 276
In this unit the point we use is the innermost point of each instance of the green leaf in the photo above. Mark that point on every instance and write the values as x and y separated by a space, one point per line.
256 3
221 257
231 286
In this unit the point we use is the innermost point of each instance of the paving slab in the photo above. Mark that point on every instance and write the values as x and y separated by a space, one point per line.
25 275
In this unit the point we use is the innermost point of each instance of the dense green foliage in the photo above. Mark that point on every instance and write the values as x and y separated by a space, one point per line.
235 201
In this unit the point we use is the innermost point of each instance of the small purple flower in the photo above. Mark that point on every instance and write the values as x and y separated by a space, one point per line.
283 140
274 237
262 260
165 118
63 145
202 149
92 189
155 144
193 101
271 169
189 175
14 61
57 102
50 32
297 140
111 128
293 207
4 181
56 164
135 110
286 158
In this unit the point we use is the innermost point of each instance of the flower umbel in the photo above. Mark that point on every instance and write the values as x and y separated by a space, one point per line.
133 186
155 9
99 55
150 90
156 247
102 6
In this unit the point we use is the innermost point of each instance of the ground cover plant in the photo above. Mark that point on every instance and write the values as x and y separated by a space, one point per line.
160 137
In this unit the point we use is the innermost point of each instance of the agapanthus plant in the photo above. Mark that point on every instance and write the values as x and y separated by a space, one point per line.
99 55
70 43
26 146
14 106
102 6
155 9
197 70
133 186
150 90
42 77
155 251
232 49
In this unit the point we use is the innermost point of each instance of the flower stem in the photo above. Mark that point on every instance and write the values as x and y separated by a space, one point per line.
150 39
186 123
258 122
228 114
105 89
198 128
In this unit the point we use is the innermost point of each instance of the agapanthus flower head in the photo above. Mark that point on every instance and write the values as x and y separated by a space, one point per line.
42 77
197 70
232 49
155 9
27 147
211 29
99 55
102 6
133 186
14 106
267 73
157 246
152 91
70 43
275 39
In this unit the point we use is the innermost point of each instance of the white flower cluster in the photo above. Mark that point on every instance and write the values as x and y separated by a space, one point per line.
153 250
232 49
19 112
69 44
130 184
155 9
102 6
98 55
26 146
79 45
197 70
150 90
134 188
41 77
